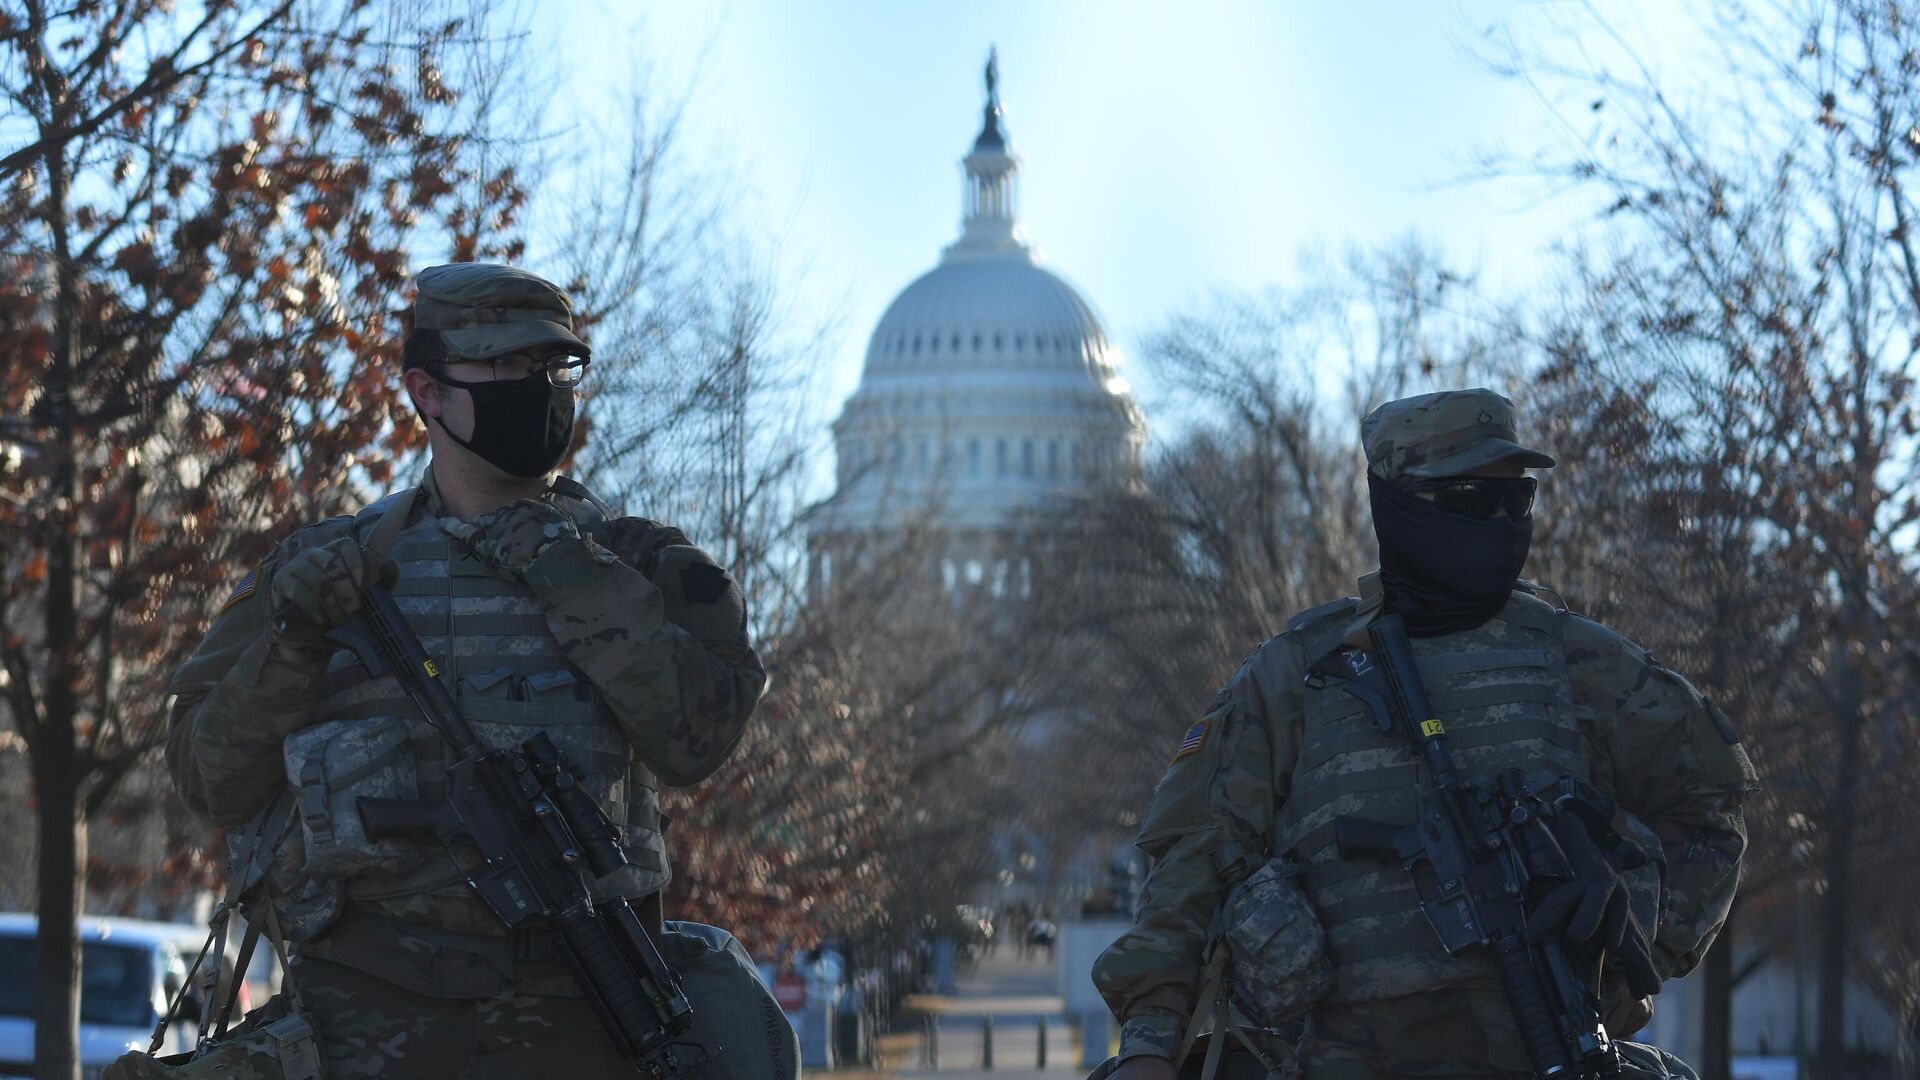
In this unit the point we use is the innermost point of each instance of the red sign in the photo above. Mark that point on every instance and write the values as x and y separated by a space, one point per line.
791 992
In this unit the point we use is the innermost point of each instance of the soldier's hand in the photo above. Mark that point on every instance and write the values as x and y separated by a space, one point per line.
1624 1011
322 584
1143 1067
1593 906
511 537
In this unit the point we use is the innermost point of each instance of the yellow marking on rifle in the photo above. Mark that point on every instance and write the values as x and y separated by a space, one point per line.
1433 729
432 672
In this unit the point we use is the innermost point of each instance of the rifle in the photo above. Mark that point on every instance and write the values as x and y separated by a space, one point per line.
1473 854
540 834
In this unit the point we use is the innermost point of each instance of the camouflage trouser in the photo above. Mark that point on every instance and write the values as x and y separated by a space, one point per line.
369 1027
1441 1036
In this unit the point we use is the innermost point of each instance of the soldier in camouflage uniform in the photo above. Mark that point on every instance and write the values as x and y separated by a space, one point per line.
1519 682
545 610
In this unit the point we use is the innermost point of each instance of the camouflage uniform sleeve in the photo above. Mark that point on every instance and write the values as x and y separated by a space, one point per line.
1212 810
240 693
1674 762
661 631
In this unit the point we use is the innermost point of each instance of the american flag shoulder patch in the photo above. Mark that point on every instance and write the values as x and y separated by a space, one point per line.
1196 737
241 591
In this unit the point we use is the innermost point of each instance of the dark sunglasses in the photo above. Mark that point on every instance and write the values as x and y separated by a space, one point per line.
1482 497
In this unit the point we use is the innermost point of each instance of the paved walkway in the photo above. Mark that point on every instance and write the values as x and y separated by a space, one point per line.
1019 999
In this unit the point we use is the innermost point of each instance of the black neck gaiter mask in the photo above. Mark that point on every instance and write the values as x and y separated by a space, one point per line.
1444 572
523 426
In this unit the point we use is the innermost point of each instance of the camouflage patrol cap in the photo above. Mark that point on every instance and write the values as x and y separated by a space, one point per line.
484 310
1444 434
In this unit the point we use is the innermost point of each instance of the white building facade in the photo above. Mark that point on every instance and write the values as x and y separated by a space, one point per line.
990 392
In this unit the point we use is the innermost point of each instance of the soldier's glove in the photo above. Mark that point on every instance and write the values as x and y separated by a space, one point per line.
1621 1011
319 588
511 537
1593 906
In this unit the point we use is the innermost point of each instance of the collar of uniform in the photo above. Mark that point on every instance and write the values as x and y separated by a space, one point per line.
437 506
434 505
1373 601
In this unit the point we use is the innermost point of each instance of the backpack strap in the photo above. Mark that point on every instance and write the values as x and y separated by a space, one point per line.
1218 1044
1207 1007
240 962
245 871
173 1003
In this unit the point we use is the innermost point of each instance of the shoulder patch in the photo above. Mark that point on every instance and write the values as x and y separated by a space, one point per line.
1195 738
703 583
240 592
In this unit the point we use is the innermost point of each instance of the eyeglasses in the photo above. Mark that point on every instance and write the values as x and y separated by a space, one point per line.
1483 497
562 371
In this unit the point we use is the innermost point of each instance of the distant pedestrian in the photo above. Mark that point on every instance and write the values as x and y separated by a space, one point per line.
1040 935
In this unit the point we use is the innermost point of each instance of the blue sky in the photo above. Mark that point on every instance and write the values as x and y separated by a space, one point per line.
1169 149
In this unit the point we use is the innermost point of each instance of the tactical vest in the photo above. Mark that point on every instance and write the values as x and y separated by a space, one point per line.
1502 690
490 639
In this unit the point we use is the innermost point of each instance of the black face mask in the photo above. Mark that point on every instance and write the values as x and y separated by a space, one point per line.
1444 572
523 426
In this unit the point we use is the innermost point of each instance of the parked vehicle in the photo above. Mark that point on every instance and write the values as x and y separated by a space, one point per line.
129 970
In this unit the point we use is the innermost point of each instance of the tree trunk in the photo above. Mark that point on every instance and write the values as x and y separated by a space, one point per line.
63 838
57 773
1716 1007
1830 1015
57 765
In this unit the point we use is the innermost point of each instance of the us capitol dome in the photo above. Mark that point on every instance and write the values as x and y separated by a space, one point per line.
990 392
